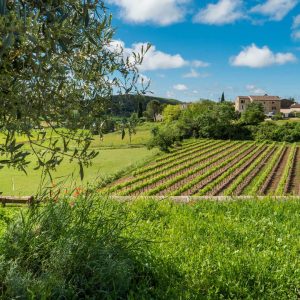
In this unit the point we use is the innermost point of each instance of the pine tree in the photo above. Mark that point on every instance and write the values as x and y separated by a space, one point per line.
222 98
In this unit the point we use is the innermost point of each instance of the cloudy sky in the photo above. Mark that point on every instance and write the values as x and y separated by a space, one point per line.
201 48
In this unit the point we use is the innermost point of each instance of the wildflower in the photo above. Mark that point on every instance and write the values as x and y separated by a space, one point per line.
77 192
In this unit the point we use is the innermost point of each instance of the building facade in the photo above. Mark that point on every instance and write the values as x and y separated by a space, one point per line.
271 104
292 111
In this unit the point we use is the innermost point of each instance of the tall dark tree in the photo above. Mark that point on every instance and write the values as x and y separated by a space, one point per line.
153 109
140 108
222 98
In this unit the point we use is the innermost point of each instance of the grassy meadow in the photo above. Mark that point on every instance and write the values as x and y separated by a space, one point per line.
114 156
154 250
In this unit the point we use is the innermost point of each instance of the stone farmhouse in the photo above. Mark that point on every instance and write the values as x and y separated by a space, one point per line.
271 104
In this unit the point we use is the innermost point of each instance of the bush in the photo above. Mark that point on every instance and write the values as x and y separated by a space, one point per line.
289 132
277 116
165 137
71 250
254 114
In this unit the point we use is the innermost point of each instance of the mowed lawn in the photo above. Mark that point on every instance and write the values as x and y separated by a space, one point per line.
114 155
114 140
108 162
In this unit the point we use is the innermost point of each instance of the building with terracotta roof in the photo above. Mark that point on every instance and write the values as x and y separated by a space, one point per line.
271 104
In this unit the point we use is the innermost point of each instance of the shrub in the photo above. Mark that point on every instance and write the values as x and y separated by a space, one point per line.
289 132
277 116
254 114
71 250
165 137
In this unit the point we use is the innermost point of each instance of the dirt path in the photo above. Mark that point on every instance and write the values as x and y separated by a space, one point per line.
294 187
277 173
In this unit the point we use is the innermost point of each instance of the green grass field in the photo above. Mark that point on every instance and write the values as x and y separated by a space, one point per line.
231 250
115 155
113 140
108 162
155 250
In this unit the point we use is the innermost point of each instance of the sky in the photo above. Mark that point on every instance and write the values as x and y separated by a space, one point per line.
201 48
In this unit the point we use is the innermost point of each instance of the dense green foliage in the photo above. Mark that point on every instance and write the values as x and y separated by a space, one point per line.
95 248
125 105
153 109
171 113
208 119
71 252
164 137
254 114
288 132
58 68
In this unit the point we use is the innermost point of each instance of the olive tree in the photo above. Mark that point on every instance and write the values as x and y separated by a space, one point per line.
58 70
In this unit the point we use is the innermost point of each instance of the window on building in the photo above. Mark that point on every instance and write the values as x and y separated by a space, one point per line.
242 101
242 106
273 107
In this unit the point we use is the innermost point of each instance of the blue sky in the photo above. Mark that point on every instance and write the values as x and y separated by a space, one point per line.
202 48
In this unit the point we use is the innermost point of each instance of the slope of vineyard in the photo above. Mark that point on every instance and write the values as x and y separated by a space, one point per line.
216 167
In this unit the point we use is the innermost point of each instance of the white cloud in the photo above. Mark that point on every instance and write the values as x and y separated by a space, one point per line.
296 22
170 94
255 57
161 12
295 27
192 74
116 46
223 12
199 64
296 34
180 87
155 59
143 79
275 9
254 90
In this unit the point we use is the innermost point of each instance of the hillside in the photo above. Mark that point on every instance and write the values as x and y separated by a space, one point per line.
125 105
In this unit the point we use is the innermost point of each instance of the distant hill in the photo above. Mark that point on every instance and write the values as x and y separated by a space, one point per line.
125 105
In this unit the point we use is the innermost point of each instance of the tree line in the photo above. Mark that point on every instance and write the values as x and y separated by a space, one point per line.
208 119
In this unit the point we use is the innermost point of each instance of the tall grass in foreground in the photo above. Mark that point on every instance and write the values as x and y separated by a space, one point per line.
102 249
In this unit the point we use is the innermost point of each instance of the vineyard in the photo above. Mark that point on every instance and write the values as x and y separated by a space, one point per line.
214 167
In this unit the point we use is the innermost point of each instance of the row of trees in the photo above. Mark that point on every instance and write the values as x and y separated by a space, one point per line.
208 119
